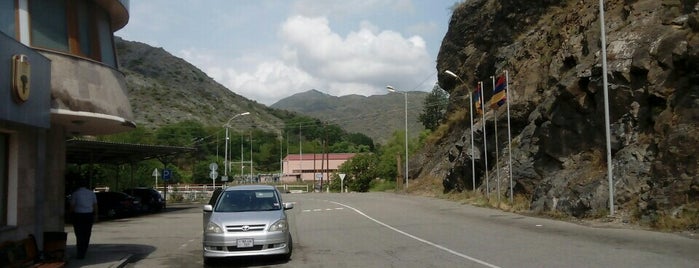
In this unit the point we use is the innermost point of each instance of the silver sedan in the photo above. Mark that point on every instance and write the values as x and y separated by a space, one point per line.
247 220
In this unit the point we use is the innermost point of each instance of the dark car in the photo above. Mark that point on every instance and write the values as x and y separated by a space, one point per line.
151 200
117 204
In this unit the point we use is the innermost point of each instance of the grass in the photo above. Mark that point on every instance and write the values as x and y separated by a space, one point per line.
683 219
382 185
454 119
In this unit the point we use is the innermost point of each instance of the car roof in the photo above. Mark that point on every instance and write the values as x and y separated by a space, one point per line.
250 187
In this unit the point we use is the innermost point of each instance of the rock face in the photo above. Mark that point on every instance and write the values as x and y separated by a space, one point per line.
552 52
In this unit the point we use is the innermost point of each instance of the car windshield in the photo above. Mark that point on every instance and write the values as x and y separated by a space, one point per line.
247 200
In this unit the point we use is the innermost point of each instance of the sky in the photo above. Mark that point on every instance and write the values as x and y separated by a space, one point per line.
267 50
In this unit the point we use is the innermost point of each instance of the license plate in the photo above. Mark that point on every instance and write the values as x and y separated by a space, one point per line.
244 243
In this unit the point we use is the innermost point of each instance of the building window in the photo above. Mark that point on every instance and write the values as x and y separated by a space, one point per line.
85 29
7 17
106 40
4 176
80 28
49 24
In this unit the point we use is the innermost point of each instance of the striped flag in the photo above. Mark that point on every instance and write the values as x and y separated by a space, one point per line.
499 93
477 98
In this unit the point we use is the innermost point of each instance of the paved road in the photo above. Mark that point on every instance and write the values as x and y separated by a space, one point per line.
387 230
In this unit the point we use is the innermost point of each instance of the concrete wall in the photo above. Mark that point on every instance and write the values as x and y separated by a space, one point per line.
81 85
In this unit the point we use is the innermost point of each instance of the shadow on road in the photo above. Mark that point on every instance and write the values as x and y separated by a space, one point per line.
246 261
105 254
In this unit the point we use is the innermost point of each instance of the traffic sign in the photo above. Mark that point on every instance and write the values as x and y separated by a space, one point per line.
213 174
342 182
213 166
167 174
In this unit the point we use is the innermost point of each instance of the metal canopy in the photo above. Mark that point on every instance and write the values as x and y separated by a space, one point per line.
101 152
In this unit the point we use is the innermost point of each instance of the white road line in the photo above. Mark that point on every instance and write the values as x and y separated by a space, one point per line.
419 239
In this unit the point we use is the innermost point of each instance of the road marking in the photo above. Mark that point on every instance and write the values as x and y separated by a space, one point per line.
419 239
319 209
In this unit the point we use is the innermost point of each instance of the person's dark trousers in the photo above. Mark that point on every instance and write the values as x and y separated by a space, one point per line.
82 225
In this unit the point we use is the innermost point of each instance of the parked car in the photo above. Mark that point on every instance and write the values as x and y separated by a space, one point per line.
151 200
117 204
247 220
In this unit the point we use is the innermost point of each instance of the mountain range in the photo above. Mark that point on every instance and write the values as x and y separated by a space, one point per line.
164 89
376 116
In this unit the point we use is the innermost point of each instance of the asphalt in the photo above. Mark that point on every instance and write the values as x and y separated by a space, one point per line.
98 255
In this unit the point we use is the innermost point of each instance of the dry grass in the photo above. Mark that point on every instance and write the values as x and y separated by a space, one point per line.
431 187
426 186
453 120
684 219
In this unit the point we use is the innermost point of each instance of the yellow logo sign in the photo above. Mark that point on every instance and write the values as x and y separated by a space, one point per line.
21 74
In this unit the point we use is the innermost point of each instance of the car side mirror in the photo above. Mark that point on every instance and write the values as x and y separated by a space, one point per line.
288 205
208 208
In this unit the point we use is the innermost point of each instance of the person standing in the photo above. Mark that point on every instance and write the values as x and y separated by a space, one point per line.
83 205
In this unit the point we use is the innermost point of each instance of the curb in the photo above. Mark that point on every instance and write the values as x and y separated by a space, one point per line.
122 263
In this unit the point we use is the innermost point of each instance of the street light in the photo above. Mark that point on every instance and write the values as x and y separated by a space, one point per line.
405 94
470 113
225 158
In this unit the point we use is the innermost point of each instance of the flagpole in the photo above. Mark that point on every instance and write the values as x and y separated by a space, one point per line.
485 143
509 132
473 150
497 151
606 107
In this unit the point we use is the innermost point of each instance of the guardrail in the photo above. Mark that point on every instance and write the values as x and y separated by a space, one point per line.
202 193
298 188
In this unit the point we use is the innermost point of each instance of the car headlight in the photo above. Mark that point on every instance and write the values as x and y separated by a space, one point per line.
279 226
213 228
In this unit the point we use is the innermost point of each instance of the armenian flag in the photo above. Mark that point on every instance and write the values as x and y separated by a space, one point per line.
499 93
477 98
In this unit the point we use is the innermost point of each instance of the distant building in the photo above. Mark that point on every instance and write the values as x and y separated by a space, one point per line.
304 167
63 82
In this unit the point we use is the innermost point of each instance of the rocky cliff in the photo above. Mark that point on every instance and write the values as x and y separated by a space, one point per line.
552 52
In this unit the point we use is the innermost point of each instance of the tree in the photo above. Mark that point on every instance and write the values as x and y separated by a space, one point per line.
361 170
435 108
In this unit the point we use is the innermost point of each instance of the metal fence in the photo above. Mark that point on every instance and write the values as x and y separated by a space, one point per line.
202 193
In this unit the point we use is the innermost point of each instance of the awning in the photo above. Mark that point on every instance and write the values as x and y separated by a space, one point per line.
100 152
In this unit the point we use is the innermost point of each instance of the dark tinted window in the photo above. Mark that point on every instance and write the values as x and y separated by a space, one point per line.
7 17
49 24
247 200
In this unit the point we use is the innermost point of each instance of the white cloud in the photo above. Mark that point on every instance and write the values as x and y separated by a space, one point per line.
365 56
313 56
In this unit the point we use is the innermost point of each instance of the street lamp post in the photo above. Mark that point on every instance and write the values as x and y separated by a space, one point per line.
606 106
470 113
405 94
225 158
